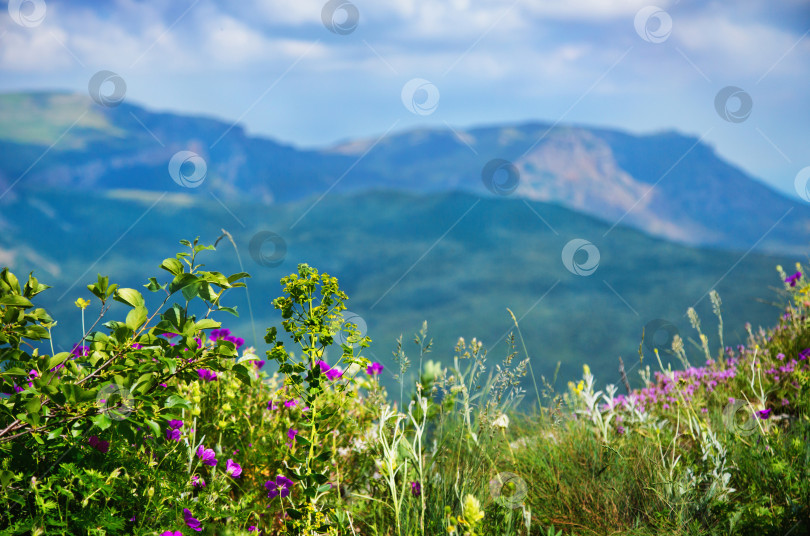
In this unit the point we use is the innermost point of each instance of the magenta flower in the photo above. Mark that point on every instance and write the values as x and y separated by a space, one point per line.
173 434
271 405
259 363
80 351
197 481
290 403
291 434
171 533
416 489
99 444
192 522
792 279
207 375
280 487
136 346
169 335
174 424
331 373
764 414
207 456
233 468
374 369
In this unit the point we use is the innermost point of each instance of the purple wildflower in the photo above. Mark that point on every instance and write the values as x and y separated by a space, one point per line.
192 522
416 489
764 414
331 373
136 346
207 375
792 279
174 424
278 487
169 335
171 533
80 351
208 456
291 434
374 369
233 468
99 444
173 435
259 363
290 403
197 481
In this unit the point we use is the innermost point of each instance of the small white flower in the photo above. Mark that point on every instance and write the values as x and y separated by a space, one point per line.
502 421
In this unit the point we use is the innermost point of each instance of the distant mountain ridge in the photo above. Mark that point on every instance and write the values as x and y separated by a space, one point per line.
665 184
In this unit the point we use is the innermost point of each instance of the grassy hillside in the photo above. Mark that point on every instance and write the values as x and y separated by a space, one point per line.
454 260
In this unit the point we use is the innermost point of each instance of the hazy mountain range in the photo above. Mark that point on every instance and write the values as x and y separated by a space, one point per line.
665 184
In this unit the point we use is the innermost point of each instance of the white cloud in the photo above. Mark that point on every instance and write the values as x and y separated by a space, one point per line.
740 49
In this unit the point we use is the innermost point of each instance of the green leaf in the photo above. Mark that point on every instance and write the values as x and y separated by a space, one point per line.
102 421
191 290
130 296
177 401
58 359
172 265
325 487
5 477
55 433
33 406
16 300
181 281
294 514
235 277
207 323
242 373
154 426
136 317
153 285
144 383
35 333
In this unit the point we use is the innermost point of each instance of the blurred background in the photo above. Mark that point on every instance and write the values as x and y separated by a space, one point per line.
596 167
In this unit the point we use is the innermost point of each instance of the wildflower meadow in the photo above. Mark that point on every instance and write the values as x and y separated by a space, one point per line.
166 423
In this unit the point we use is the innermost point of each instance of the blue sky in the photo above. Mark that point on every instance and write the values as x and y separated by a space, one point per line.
275 66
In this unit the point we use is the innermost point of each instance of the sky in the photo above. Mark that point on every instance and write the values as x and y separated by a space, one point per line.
314 73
